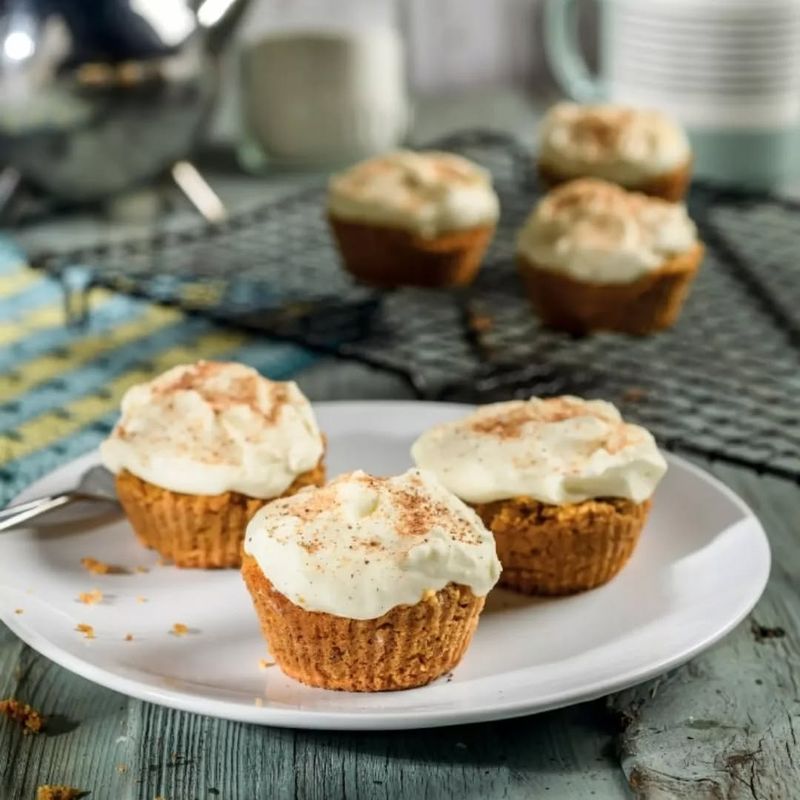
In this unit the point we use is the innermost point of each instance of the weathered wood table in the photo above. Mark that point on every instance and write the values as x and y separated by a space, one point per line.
726 725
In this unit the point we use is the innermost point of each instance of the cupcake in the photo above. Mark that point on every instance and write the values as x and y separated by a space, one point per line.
369 584
413 219
639 149
564 484
198 450
594 256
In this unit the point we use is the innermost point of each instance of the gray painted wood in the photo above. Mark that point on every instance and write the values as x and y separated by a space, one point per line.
723 726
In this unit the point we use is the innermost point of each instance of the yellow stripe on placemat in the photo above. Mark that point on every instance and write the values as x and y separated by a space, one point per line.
15 282
47 428
38 370
39 319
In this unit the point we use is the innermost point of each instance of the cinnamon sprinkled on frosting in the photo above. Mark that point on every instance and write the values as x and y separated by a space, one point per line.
624 145
428 193
598 232
559 450
362 545
213 427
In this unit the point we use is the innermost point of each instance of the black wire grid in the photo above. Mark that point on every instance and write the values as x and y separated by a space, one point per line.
724 383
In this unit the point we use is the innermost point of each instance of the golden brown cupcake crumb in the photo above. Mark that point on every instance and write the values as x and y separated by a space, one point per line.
19 610
91 598
30 719
86 630
100 567
179 629
264 664
58 792
128 637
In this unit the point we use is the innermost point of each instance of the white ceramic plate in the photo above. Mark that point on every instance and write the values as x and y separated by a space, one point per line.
701 565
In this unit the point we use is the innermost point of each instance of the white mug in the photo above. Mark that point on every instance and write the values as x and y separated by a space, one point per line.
324 97
729 70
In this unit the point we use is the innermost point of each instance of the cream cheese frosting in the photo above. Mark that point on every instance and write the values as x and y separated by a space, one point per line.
557 450
362 545
427 193
598 232
213 427
625 145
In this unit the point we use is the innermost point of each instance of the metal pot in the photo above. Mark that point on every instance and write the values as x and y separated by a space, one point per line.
97 96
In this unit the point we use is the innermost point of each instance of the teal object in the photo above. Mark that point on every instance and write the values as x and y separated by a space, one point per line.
756 157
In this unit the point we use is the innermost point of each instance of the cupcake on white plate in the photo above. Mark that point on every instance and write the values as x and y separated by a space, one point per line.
640 149
199 449
369 584
564 484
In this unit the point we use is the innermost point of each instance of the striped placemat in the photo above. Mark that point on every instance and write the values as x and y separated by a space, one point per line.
60 388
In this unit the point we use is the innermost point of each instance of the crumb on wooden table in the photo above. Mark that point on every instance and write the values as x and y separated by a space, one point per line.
100 567
179 629
30 719
264 664
479 323
58 792
634 394
91 598
122 768
86 630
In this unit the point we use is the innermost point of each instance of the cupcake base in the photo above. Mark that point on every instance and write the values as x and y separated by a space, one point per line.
201 531
557 550
670 186
406 647
391 257
646 305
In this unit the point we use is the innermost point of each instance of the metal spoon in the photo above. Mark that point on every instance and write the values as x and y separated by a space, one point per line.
95 492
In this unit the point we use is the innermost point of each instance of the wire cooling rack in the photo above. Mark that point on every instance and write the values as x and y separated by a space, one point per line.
723 383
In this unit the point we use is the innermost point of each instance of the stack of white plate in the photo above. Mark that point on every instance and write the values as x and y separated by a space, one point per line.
712 63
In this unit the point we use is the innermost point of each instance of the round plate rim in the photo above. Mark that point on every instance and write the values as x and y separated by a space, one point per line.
390 720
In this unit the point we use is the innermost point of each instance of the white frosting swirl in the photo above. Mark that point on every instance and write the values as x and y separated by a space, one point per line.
211 427
427 193
624 145
559 450
361 546
598 232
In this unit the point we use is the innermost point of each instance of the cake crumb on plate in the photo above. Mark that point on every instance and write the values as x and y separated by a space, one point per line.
179 629
86 630
100 567
91 598
264 664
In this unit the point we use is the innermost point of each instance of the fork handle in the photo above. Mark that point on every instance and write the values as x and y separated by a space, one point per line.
16 515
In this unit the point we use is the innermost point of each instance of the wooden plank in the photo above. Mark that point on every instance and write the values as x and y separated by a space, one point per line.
85 736
727 724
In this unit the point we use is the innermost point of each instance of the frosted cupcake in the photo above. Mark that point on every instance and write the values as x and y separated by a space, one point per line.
369 584
639 149
564 484
198 450
413 219
594 256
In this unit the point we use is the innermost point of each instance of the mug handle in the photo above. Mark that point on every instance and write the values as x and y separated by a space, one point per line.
563 52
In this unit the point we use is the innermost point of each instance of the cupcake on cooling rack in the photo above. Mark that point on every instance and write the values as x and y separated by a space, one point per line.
369 584
413 219
564 484
198 450
594 256
639 149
